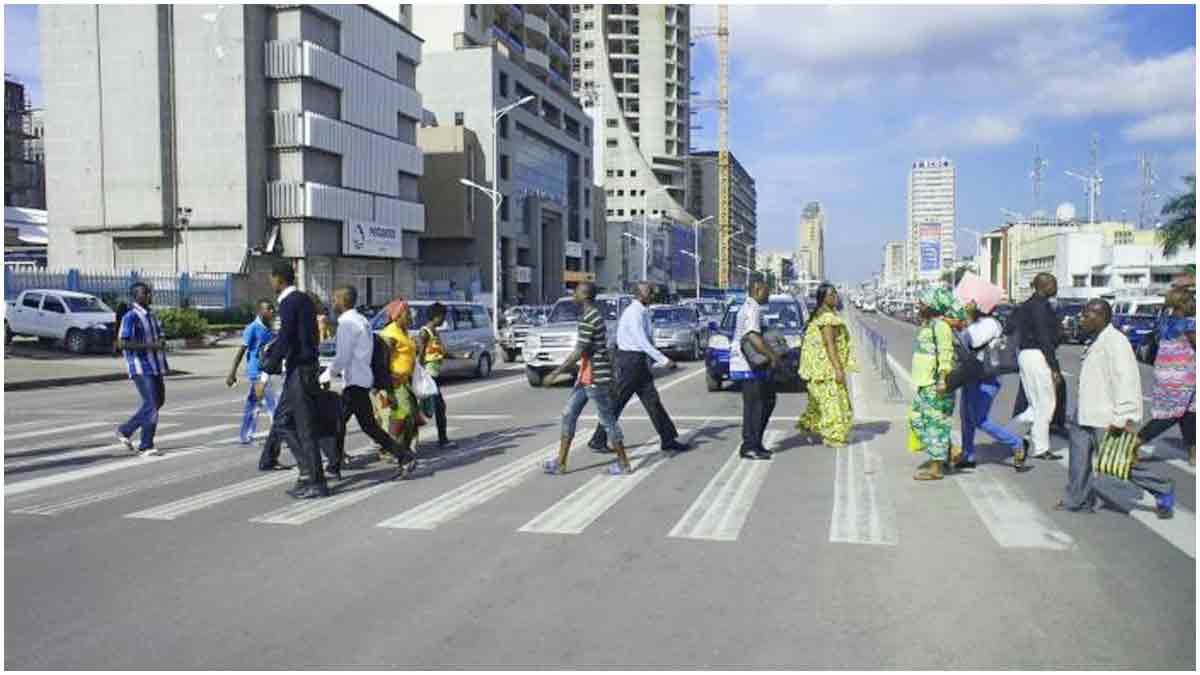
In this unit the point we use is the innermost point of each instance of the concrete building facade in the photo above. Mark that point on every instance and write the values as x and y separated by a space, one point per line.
543 154
894 264
743 213
631 67
24 154
810 254
931 218
218 138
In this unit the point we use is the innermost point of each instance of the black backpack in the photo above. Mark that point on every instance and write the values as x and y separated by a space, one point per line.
381 364
1000 356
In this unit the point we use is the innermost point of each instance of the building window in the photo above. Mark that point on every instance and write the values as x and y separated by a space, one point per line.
504 167
589 25
608 212
588 65
504 84
587 228
611 123
1131 279
633 173
474 11
620 173
620 193
503 127
610 143
587 196
620 212
1160 278
1079 280
504 210
609 173
458 119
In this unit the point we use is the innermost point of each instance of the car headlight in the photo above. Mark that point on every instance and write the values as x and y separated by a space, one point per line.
533 342
718 342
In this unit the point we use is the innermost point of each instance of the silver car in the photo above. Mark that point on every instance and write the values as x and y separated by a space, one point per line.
548 346
678 331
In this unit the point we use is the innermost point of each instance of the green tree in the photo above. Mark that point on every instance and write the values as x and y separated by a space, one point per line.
1181 228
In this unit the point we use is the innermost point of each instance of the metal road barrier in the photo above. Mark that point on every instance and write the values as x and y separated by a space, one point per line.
877 344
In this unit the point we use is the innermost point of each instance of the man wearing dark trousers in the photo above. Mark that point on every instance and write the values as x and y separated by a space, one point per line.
634 352
352 362
295 347
758 389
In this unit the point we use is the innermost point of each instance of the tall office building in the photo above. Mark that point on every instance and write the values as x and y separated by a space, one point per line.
893 264
931 218
631 66
703 192
810 255
24 158
191 138
479 59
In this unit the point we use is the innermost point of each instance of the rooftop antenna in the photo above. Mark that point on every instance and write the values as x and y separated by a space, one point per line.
1092 181
1038 165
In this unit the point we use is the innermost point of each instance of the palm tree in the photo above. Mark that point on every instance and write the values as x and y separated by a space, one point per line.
1181 228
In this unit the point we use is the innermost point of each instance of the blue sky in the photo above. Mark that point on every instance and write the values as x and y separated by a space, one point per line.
832 103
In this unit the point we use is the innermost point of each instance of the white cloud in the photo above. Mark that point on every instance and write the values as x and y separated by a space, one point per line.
1164 127
929 134
1114 84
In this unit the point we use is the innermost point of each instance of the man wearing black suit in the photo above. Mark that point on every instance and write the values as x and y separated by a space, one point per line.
296 414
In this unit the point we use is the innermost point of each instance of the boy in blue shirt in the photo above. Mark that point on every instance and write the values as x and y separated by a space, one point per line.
257 334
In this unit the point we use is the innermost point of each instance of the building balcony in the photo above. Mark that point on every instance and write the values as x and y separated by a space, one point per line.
508 39
562 83
538 59
536 25
513 11
554 15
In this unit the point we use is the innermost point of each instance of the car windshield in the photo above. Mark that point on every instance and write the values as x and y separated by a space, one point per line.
419 314
86 304
776 315
662 317
566 310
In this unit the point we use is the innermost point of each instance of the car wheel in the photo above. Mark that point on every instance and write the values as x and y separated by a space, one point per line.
713 383
8 334
510 355
483 367
534 377
76 341
696 355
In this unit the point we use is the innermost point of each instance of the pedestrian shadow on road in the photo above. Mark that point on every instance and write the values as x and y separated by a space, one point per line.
868 431
473 449
65 462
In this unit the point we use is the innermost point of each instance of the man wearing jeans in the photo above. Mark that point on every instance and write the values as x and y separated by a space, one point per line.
592 383
977 396
1109 400
141 339
758 389
256 334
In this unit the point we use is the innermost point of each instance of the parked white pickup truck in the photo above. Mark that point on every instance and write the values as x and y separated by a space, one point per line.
78 320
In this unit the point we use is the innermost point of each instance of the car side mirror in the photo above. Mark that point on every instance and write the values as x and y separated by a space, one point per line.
712 325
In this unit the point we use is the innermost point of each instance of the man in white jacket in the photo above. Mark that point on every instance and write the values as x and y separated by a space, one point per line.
1110 399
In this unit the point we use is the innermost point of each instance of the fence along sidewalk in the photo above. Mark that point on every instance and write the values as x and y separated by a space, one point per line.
197 289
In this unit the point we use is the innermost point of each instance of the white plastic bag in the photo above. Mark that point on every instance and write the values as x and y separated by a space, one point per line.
423 384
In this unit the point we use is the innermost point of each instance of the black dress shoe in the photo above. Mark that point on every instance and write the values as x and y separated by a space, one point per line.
755 454
274 466
447 443
297 490
314 491
674 445
965 464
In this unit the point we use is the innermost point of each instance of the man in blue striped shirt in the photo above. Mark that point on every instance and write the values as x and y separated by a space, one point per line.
144 345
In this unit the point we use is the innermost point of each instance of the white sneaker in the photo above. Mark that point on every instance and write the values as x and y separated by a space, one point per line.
152 452
126 442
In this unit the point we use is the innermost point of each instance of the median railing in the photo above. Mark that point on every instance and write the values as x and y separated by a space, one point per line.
876 345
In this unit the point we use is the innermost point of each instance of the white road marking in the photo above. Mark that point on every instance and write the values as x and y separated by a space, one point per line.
1011 517
21 487
54 430
863 512
181 507
720 512
54 508
450 505
1180 464
23 461
575 512
469 392
208 404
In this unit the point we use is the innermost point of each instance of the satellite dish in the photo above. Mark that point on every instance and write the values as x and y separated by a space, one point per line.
1065 212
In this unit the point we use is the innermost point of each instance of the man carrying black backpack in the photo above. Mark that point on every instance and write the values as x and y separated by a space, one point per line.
354 362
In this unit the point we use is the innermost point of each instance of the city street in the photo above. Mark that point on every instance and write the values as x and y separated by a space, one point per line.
818 558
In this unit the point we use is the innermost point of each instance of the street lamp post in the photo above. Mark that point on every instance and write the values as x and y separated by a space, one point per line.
497 197
695 258
699 223
645 246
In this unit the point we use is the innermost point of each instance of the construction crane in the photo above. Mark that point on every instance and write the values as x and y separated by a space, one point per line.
724 178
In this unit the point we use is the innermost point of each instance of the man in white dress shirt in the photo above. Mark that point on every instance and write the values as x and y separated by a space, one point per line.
352 362
633 376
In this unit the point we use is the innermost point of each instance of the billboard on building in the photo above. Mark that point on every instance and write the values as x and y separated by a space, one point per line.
683 268
929 242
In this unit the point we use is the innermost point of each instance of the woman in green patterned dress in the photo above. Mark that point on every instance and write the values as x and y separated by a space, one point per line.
825 358
930 418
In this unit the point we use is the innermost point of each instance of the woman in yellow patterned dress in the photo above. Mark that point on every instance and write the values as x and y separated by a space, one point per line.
825 358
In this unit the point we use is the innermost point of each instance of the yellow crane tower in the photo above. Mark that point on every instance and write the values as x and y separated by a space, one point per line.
724 225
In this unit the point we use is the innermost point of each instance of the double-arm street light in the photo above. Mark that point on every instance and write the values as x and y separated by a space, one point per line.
497 197
696 256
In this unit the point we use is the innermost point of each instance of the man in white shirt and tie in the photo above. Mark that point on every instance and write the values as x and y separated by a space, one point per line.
352 362
633 376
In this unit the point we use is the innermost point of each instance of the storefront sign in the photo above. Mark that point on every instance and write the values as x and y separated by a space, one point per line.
574 249
377 240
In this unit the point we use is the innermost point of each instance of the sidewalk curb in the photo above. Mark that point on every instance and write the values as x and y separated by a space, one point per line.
71 381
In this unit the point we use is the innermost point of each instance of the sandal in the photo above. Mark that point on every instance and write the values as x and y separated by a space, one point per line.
927 473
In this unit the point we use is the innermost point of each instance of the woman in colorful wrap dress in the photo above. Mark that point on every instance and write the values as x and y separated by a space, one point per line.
930 418
1174 396
825 358
402 410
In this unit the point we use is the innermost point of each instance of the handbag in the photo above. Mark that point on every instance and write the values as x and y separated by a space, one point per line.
1117 454
423 384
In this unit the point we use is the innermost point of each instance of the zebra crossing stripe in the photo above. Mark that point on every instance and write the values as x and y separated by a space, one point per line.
24 486
62 506
1010 516
50 459
182 507
54 430
452 504
575 512
720 511
863 512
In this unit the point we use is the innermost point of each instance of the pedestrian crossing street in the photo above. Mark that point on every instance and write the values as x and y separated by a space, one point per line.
211 474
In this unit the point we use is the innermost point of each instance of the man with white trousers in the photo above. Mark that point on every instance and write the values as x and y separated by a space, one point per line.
1037 324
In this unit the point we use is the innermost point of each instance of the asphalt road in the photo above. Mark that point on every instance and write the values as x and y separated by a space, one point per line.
816 559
